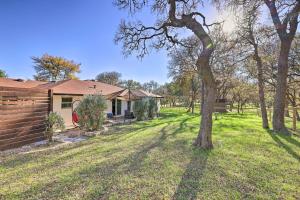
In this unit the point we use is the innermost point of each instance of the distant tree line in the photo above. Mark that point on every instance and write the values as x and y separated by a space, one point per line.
3 74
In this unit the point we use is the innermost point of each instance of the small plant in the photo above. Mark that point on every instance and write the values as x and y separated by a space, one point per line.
54 122
140 109
152 108
91 112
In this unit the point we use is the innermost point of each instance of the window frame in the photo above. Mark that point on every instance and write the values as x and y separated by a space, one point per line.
119 107
66 104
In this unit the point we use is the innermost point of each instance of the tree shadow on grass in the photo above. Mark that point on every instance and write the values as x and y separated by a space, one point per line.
170 114
67 151
116 133
182 126
103 174
139 156
190 183
295 132
276 137
290 139
236 115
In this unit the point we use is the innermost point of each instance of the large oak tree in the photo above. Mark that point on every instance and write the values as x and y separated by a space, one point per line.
171 16
284 14
251 37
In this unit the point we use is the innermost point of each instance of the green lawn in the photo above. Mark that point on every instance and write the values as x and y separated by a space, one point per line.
155 160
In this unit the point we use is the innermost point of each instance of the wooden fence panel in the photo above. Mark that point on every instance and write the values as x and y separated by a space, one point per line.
22 116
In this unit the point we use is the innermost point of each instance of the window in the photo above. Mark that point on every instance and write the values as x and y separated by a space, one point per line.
119 106
66 102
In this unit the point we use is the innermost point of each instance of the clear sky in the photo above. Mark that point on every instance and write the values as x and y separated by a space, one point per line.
81 30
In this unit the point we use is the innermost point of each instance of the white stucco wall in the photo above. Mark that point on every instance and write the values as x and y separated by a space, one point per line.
66 113
123 107
158 104
109 106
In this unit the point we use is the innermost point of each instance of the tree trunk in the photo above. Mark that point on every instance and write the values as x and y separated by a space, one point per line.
173 103
231 106
204 139
193 106
294 104
194 88
202 97
286 109
242 109
261 91
287 113
281 87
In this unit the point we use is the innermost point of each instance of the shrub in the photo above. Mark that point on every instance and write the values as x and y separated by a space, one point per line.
54 122
140 109
152 108
91 112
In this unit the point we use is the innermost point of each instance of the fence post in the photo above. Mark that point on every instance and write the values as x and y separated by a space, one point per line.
50 95
294 118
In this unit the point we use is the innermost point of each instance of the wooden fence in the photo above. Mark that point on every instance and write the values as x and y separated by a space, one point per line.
22 116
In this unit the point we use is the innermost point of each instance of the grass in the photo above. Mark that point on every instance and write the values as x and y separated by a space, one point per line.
156 160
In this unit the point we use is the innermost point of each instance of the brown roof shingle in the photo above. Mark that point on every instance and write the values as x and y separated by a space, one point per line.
81 87
19 83
78 87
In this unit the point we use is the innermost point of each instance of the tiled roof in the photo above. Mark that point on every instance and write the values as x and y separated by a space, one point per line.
8 82
142 93
134 94
81 87
78 87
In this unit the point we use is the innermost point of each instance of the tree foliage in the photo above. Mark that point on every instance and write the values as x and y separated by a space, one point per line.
150 86
91 112
54 68
171 17
3 74
54 122
152 108
140 109
130 84
112 78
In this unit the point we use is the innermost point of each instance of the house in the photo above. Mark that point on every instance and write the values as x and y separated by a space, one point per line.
67 94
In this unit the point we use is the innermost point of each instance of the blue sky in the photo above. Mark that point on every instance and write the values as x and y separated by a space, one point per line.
81 30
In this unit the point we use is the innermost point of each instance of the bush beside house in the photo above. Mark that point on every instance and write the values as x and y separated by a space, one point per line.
145 109
140 109
54 122
152 108
91 112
